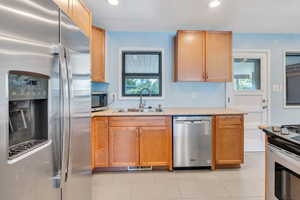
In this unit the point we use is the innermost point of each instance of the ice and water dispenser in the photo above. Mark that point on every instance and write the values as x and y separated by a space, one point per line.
28 111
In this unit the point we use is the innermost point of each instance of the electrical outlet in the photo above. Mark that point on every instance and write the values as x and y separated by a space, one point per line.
113 95
276 88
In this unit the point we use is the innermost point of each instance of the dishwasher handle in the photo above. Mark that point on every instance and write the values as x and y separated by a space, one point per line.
196 119
192 121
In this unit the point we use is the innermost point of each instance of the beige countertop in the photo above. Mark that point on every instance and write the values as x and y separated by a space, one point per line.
170 112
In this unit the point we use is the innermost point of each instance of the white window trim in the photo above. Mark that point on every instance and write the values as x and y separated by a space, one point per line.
163 70
284 78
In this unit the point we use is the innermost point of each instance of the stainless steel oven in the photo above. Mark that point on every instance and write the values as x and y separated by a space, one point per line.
283 170
99 101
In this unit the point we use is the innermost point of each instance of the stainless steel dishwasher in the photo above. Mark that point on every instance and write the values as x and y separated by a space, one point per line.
192 141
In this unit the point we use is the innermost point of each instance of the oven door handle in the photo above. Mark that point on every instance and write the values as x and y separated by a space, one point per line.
288 159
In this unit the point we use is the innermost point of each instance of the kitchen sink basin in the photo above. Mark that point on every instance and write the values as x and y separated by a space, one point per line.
137 110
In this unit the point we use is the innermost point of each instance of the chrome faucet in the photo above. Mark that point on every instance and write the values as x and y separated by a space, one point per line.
141 104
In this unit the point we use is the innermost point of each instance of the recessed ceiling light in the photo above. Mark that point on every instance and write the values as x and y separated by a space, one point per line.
214 3
113 2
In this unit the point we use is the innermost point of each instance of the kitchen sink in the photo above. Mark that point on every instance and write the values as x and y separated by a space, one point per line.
138 110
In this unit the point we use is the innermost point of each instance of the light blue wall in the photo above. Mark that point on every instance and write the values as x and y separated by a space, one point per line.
202 94
99 87
176 94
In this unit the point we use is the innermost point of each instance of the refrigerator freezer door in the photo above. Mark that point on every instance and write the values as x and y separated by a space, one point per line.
28 31
78 179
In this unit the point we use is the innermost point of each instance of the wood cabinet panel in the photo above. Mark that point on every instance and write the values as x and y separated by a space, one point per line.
203 56
81 16
100 141
155 146
98 54
229 141
124 146
218 56
190 56
64 5
78 12
137 121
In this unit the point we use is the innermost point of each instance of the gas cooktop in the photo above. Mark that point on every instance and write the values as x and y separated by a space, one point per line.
292 128
287 132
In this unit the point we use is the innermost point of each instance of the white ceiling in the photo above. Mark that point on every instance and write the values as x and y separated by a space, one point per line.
248 16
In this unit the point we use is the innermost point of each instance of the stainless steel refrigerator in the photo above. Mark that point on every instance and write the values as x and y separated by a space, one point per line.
44 104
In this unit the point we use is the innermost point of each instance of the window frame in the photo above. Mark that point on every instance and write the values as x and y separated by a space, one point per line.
123 54
285 52
260 76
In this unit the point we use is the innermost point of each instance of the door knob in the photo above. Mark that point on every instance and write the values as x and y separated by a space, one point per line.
264 107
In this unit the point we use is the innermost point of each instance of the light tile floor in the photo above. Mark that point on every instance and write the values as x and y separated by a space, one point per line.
246 183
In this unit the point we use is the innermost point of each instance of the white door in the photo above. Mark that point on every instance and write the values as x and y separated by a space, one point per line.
249 92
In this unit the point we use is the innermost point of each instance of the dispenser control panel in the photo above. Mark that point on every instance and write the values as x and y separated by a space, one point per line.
27 86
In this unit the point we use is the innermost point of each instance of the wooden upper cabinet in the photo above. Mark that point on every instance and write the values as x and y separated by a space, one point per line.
218 56
203 56
155 146
190 56
229 140
124 146
98 54
100 142
78 12
64 5
81 16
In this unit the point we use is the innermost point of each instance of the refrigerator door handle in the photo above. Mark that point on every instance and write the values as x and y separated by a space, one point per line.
66 118
68 138
64 112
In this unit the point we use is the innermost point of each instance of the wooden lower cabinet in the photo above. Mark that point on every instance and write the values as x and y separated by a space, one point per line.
229 140
100 142
131 141
123 146
147 141
155 146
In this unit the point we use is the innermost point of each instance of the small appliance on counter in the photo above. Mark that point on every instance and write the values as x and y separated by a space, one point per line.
99 101
283 162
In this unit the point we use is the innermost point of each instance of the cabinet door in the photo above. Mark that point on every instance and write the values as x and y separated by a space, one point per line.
190 56
81 16
218 56
100 141
98 54
124 146
229 140
64 5
155 146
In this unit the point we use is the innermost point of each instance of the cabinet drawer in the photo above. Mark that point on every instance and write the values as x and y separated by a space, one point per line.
138 121
229 121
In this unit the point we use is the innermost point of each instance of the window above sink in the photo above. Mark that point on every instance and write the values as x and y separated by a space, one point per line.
141 69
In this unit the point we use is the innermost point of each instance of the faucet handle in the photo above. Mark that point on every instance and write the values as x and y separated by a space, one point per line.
159 108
